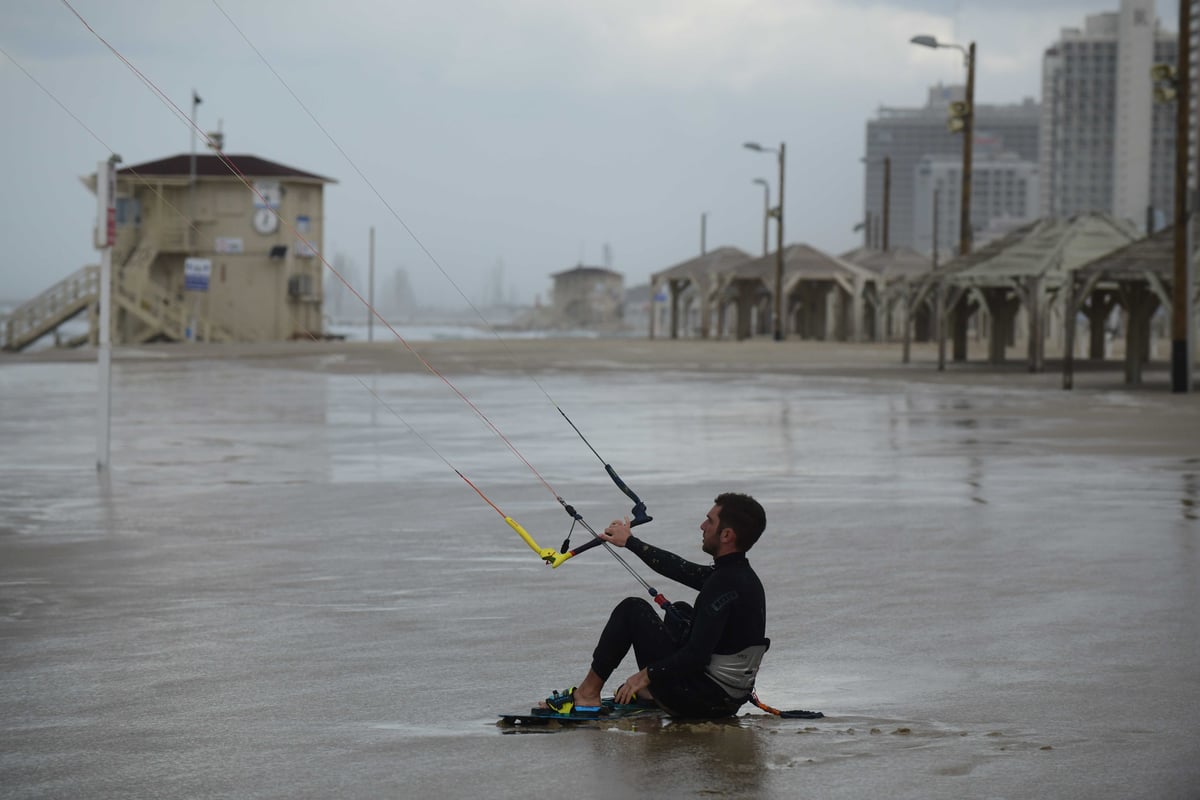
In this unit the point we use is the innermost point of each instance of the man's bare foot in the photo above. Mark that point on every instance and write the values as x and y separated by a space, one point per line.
585 695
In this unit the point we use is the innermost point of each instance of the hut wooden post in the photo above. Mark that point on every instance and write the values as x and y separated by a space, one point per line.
1034 301
745 304
857 311
1139 304
1069 314
1139 323
1097 310
883 316
907 305
673 311
1000 308
961 318
675 287
939 324
829 317
653 305
812 311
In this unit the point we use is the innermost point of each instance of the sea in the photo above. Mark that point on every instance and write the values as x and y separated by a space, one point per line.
298 583
437 327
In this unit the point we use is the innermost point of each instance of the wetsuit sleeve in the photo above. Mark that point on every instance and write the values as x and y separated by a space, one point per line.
713 608
669 565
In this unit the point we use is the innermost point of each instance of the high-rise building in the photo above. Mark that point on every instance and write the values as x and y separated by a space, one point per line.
1105 145
908 135
1004 196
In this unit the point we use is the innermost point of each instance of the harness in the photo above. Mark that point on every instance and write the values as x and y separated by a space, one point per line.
735 672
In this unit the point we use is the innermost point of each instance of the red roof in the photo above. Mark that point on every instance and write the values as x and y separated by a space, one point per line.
211 165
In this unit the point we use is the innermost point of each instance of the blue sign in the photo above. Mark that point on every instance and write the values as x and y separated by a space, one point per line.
196 272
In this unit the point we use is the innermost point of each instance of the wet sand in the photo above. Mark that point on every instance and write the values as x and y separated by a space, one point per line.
987 583
1093 416
873 360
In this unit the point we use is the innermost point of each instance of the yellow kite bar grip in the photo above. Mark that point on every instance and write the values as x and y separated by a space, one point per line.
549 555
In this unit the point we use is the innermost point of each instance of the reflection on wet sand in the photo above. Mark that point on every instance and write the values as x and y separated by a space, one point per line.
1190 500
721 758
756 754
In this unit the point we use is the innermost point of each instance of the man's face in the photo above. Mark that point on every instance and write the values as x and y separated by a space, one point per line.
710 530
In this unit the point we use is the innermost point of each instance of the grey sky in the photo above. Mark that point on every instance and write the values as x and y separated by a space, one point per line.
532 132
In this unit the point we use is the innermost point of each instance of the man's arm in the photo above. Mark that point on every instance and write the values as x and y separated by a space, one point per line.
668 564
663 562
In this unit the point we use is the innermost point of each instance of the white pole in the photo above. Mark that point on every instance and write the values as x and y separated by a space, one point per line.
106 221
104 361
371 289
190 332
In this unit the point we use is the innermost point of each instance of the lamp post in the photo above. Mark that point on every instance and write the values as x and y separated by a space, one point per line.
766 209
1173 84
1181 306
882 239
962 119
887 198
776 212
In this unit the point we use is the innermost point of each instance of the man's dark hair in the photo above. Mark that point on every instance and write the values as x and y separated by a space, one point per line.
742 513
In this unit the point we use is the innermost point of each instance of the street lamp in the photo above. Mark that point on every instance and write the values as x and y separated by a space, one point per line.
766 209
1173 84
776 212
963 119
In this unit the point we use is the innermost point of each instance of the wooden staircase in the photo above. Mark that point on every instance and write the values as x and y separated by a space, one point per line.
159 314
64 300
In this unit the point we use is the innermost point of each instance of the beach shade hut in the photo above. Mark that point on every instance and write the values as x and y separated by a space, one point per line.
692 289
1025 269
899 271
1139 278
932 290
823 295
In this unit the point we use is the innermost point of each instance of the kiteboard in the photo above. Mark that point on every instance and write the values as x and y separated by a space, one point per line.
610 711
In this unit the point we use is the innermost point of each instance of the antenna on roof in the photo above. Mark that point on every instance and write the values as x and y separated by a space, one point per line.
216 139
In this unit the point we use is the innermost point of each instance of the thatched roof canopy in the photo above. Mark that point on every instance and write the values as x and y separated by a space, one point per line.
1152 255
1048 248
704 270
893 264
801 262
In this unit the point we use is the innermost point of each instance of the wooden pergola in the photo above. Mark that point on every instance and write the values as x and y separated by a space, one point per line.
1027 268
696 280
899 272
1138 278
823 295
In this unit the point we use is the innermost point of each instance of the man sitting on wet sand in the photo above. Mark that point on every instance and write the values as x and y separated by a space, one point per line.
697 662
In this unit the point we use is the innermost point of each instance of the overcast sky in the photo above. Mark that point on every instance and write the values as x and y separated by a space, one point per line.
530 133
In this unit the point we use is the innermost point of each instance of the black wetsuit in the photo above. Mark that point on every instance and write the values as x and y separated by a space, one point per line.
730 615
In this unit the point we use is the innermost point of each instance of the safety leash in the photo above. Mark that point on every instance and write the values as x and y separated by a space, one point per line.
798 714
